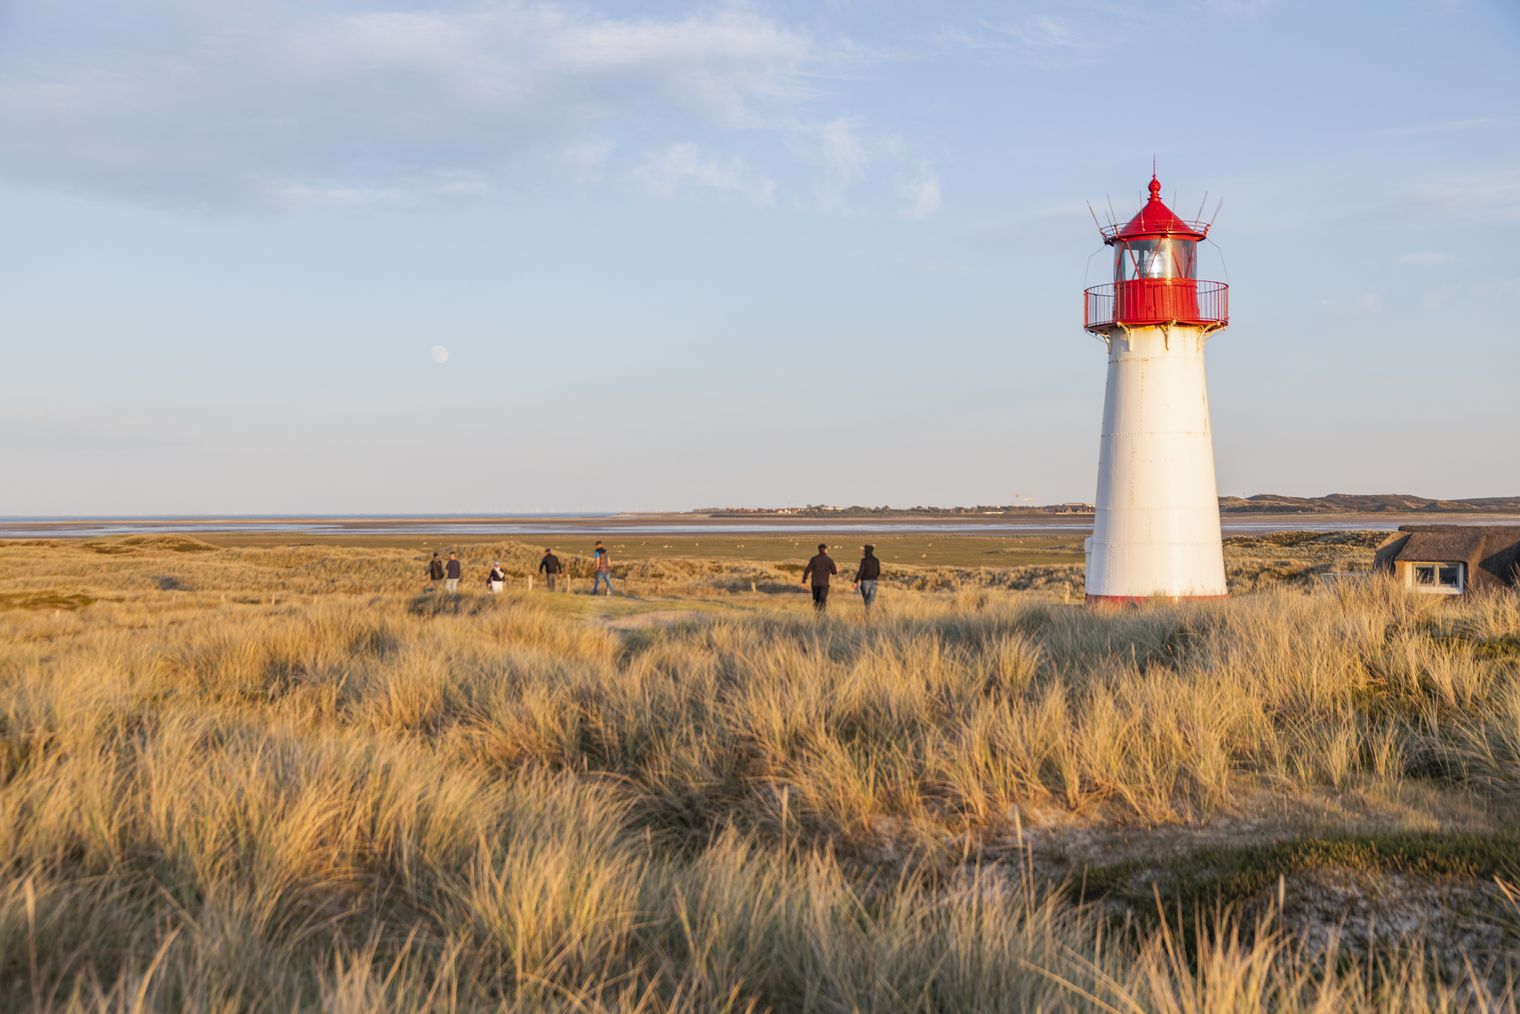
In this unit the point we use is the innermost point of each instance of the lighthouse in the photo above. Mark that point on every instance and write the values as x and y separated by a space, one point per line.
1156 530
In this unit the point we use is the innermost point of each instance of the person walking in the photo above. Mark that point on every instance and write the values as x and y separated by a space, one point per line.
550 567
497 579
602 570
434 572
866 576
820 568
451 574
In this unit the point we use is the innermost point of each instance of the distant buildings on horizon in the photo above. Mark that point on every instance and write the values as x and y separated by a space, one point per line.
827 510
1261 503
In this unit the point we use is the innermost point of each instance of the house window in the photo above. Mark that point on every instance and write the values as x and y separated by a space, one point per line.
1437 578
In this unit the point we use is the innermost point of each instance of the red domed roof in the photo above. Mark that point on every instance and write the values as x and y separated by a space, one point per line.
1156 219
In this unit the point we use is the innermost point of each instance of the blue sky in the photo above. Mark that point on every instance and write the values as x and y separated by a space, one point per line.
743 253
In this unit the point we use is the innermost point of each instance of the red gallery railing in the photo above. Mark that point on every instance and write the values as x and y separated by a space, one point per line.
1148 302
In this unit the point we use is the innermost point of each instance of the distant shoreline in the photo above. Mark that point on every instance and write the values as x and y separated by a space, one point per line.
757 523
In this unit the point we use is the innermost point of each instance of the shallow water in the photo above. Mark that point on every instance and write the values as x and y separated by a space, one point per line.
613 525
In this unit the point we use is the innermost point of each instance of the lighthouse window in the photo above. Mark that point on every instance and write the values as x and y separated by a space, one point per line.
1154 258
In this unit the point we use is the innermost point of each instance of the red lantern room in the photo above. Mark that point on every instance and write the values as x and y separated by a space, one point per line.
1156 275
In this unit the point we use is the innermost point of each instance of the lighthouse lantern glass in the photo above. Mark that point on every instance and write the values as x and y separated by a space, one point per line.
1155 258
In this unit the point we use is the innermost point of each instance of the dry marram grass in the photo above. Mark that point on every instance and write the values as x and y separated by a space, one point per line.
284 778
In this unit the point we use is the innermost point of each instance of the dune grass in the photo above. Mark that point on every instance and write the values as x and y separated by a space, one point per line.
286 778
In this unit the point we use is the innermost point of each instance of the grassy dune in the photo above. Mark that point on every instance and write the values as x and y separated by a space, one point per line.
284 777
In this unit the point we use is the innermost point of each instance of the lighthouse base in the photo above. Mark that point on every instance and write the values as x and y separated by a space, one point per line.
1132 601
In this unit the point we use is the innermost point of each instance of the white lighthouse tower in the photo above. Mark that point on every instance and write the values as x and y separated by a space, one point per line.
1156 533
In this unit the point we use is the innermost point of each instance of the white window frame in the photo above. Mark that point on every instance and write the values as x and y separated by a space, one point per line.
1412 577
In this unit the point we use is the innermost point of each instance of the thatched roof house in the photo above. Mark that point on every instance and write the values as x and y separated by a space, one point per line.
1450 559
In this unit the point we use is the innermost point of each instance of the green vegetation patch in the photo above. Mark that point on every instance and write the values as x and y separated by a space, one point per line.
45 600
1213 877
1498 647
151 543
1360 538
1503 646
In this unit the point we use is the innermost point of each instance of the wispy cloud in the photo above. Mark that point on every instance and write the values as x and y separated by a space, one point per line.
931 267
1016 229
1439 296
1452 126
683 166
839 154
462 186
923 198
237 103
1425 257
1238 8
844 154
301 195
1483 198
1366 302
585 160
1031 33
1034 31
1478 197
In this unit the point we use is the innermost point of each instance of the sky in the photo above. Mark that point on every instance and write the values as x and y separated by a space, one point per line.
532 255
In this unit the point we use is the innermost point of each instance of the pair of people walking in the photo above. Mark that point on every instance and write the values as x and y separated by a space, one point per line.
822 567
551 568
447 572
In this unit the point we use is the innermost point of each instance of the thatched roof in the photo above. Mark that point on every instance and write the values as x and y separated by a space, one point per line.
1491 552
1442 545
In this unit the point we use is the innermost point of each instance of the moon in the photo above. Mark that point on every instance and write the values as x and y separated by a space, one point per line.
440 354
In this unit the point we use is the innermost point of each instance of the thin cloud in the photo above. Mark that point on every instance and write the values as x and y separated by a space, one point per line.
1480 197
1425 257
1438 297
923 198
585 160
462 186
1033 32
1452 126
1038 31
683 166
841 156
1486 198
292 196
844 155
1366 302
230 104
1239 8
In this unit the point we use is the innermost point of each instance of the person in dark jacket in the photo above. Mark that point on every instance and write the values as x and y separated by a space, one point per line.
434 572
550 567
867 574
497 579
820 568
451 574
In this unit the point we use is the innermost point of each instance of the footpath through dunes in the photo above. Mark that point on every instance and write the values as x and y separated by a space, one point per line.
290 777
